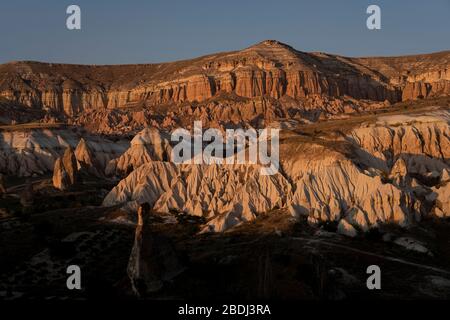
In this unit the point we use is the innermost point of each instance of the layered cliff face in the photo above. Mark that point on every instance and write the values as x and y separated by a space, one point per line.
269 69
358 176
419 76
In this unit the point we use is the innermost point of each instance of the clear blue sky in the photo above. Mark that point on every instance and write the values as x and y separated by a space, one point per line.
136 31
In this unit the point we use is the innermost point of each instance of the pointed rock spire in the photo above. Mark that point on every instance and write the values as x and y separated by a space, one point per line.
153 259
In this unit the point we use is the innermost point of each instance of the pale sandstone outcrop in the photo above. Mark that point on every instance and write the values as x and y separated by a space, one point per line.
441 195
328 187
326 190
66 173
148 145
445 176
233 194
400 168
60 178
207 190
72 164
423 142
28 152
87 160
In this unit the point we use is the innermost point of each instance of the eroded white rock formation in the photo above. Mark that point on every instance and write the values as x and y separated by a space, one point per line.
148 145
213 191
379 181
28 152
332 187
422 141
72 165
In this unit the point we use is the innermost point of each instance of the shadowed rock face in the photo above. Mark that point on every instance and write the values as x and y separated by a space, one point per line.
69 168
152 260
270 69
27 197
2 185
28 152
86 159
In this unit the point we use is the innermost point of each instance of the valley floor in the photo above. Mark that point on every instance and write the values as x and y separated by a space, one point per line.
272 257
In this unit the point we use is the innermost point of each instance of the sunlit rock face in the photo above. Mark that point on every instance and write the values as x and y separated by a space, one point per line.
148 145
267 69
65 173
87 159
376 173
359 174
204 190
421 141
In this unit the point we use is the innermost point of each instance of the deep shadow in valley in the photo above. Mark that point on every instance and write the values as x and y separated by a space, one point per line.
273 257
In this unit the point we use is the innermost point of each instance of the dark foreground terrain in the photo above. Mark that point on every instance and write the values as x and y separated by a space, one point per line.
273 257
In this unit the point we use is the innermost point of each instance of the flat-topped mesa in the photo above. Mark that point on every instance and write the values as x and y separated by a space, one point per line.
269 68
